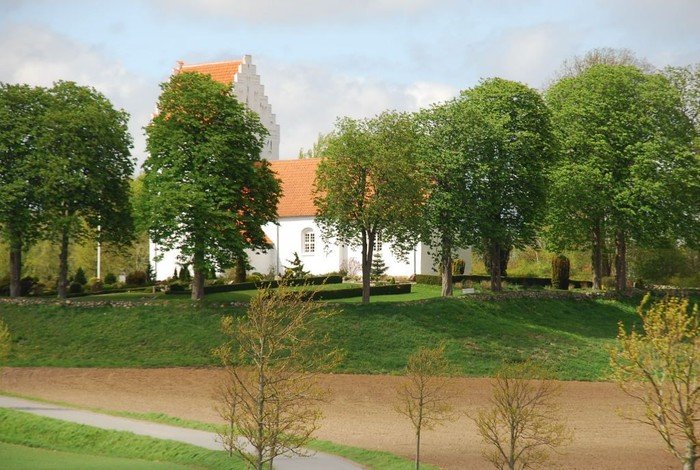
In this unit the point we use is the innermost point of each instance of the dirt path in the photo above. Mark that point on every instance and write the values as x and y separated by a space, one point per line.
361 413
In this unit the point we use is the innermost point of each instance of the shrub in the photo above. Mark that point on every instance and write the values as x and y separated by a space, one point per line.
561 267
110 278
26 285
184 275
175 287
296 270
458 266
80 277
136 278
608 283
95 284
378 267
75 288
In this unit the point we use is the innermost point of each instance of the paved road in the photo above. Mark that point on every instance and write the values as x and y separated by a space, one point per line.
209 440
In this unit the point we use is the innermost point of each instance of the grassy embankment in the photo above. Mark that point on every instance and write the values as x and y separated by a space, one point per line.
37 442
29 437
572 335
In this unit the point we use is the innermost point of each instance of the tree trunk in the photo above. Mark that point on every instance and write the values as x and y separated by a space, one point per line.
418 448
496 285
199 275
63 266
239 273
621 261
446 269
689 462
367 249
15 268
597 257
608 261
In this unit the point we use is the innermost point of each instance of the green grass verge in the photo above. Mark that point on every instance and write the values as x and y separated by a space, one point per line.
572 335
16 457
369 458
25 429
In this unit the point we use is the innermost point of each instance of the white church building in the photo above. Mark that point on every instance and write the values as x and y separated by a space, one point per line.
296 230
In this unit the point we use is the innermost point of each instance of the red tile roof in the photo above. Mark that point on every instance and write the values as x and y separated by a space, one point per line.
222 72
297 186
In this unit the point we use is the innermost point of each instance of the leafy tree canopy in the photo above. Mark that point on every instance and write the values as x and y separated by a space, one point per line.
207 192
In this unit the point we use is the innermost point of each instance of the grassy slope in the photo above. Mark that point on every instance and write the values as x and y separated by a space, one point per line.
16 457
28 430
573 334
369 458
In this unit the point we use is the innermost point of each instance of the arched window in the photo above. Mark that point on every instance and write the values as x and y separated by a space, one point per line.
378 244
308 241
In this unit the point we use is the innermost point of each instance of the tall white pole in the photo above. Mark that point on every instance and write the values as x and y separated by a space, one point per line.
99 255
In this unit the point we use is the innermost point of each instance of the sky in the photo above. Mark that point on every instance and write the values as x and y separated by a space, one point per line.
322 59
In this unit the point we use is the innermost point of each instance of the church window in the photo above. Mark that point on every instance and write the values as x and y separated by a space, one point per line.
308 238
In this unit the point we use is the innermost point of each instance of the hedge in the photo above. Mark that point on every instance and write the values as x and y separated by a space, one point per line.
523 281
350 292
306 281
389 289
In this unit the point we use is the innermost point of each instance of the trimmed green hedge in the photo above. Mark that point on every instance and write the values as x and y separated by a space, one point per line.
306 281
522 281
350 292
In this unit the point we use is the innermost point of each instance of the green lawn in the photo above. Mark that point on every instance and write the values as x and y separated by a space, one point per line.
573 335
16 457
77 443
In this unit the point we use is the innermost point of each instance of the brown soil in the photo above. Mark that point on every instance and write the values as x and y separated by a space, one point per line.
361 413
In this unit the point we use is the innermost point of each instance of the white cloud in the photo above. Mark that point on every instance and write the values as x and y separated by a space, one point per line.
530 55
285 11
37 56
307 99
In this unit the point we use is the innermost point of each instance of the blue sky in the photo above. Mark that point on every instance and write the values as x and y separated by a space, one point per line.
323 59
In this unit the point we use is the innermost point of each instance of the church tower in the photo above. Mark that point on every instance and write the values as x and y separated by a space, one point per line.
242 76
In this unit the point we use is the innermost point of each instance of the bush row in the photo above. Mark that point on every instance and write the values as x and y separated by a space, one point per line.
348 293
309 281
522 281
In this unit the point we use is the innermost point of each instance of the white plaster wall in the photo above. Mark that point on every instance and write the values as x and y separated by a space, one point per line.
164 268
328 257
249 91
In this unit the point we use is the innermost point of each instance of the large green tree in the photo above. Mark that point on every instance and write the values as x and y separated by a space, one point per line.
85 184
444 162
627 168
368 184
207 192
505 136
21 168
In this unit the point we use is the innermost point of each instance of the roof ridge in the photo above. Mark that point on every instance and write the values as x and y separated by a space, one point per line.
213 63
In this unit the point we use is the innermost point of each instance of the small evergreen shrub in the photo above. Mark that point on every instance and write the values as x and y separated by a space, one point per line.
136 278
95 284
296 270
561 267
185 275
110 278
80 277
378 267
75 288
